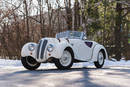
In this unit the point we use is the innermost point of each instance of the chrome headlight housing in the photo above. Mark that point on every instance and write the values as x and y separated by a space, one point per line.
31 47
50 48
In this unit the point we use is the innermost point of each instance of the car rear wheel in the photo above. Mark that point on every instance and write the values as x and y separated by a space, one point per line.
65 62
100 60
30 63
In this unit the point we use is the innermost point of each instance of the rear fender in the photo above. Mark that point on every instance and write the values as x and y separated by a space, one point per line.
96 50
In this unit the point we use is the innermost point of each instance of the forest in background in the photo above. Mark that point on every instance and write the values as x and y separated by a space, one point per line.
104 21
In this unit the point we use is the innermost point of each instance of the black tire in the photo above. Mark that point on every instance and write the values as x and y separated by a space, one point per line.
97 64
60 66
30 63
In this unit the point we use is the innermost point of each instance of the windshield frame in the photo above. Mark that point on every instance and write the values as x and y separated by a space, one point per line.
67 35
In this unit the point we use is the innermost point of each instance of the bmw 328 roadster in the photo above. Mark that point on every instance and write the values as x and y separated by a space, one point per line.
65 49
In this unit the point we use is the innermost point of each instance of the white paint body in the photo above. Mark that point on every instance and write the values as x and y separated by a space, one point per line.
81 51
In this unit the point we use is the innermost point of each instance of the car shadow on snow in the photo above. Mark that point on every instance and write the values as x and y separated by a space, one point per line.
55 70
124 72
27 77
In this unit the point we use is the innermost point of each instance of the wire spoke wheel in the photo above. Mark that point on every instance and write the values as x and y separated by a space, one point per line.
66 59
65 62
100 60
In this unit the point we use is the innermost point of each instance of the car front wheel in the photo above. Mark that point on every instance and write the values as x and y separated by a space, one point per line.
65 62
100 60
30 63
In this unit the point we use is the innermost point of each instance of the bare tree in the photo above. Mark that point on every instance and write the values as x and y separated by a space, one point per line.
50 14
76 15
27 20
68 13
42 19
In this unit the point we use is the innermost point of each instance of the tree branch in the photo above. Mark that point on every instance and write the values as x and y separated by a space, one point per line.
125 14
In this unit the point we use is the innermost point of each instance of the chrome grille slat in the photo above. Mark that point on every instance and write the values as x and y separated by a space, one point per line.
41 49
38 49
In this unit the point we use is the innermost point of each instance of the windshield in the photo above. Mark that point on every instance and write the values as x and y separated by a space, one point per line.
69 34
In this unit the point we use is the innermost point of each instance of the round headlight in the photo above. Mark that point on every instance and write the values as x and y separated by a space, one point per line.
31 47
50 48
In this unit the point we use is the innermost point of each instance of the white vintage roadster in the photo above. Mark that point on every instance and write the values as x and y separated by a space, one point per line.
67 48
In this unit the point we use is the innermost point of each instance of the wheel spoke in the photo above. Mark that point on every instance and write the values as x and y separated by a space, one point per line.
65 60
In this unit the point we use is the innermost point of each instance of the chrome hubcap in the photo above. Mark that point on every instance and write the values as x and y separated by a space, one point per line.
65 60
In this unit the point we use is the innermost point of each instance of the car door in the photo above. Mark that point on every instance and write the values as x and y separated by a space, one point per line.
82 49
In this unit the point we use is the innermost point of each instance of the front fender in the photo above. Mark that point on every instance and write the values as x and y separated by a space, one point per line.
96 50
62 47
26 52
59 48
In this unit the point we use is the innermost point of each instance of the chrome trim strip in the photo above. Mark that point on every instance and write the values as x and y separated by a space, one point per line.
38 49
43 48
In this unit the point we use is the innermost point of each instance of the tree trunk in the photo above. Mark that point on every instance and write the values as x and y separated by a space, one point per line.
76 15
43 32
27 20
69 14
118 31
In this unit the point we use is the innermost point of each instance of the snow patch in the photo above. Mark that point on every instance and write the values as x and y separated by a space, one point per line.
117 63
5 63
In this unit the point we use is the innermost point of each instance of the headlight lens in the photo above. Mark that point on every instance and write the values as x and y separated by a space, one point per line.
50 48
31 47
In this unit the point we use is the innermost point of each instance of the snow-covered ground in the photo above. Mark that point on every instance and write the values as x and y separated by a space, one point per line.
5 63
